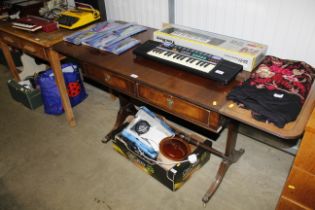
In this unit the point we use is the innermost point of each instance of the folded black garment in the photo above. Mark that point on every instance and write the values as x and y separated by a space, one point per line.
276 90
274 106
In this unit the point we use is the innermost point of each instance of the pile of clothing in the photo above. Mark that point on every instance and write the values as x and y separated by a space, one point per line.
276 90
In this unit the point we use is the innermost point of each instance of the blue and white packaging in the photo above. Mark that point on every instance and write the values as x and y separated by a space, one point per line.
147 142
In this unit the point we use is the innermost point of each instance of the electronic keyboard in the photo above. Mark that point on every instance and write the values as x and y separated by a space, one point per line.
194 61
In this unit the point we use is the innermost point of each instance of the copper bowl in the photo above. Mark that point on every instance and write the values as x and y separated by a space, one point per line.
175 148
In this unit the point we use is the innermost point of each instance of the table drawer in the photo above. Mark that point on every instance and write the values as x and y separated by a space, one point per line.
34 49
10 40
93 73
109 79
286 204
303 159
179 107
119 83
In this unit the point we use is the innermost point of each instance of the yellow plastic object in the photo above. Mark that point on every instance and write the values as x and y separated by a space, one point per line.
84 16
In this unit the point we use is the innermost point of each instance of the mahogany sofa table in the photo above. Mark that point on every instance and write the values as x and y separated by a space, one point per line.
191 98
38 44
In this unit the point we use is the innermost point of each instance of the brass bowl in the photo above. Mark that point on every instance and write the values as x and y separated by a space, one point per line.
175 148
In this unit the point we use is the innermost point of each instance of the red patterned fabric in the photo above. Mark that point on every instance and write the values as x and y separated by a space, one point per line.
293 77
276 90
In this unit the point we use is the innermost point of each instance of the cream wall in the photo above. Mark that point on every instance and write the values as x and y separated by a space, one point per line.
147 12
286 26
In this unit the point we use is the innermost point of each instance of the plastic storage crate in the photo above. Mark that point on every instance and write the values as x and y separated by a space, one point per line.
30 98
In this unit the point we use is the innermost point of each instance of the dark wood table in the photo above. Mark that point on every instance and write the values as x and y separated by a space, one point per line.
191 98
38 44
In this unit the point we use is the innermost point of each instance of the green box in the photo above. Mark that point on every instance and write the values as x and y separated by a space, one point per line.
174 177
30 98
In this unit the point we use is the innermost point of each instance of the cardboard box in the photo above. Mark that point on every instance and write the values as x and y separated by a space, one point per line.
30 98
172 176
248 54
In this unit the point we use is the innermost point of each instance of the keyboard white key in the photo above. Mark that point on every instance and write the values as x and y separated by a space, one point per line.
196 64
193 61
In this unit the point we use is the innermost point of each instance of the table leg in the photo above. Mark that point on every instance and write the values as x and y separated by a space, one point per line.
10 61
228 158
125 109
56 67
232 155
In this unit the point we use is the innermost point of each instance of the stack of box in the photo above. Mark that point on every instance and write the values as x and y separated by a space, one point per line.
171 173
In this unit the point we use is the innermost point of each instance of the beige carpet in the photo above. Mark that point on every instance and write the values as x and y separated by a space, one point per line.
46 165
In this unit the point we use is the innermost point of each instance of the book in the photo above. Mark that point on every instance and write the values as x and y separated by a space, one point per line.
122 46
109 36
32 28
34 23
107 39
92 32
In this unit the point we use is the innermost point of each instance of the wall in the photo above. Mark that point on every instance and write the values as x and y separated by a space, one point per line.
286 26
146 12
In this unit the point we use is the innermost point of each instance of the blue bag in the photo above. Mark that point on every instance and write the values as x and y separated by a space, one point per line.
50 93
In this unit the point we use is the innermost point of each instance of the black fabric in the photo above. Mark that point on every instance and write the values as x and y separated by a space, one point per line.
273 106
276 90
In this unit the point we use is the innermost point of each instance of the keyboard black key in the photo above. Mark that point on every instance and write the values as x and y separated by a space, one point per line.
195 61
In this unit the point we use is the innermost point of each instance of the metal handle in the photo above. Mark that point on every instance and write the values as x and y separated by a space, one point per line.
107 77
170 102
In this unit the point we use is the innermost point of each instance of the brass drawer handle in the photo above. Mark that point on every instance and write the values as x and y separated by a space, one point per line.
8 39
29 48
170 102
107 77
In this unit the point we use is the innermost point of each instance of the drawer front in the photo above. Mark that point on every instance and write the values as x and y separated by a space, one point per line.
176 106
119 83
34 49
109 79
93 73
305 158
286 204
300 187
10 40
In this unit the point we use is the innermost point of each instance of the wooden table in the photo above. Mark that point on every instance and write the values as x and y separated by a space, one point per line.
38 44
199 101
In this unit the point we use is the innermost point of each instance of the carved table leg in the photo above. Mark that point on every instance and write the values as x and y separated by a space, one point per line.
233 156
126 108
